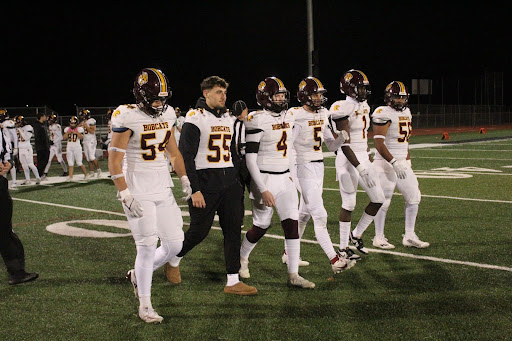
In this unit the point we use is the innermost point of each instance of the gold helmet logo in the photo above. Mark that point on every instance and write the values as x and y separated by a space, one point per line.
261 86
348 77
302 85
143 79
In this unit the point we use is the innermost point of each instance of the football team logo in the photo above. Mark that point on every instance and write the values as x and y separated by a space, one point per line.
302 85
261 86
143 79
348 77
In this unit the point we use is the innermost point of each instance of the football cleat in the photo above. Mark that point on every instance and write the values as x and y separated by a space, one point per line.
69 179
345 255
351 255
244 268
358 243
86 177
339 265
382 243
131 276
300 282
98 173
284 258
26 182
414 241
149 315
38 181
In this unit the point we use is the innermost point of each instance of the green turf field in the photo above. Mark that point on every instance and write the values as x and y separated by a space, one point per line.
457 289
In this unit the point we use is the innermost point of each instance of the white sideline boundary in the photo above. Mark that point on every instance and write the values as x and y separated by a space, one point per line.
273 236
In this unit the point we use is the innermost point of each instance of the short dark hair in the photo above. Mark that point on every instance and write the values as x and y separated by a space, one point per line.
210 82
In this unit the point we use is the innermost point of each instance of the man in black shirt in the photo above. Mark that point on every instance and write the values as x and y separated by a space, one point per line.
42 143
207 149
11 247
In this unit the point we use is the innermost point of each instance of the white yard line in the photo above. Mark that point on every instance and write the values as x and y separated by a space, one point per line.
400 254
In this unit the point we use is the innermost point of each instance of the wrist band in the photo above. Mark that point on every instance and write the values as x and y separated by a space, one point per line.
379 137
393 160
115 149
117 176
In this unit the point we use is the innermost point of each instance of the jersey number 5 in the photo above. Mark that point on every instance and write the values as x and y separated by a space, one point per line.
219 151
404 129
152 148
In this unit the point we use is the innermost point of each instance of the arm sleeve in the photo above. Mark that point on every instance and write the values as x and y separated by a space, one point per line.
252 166
188 146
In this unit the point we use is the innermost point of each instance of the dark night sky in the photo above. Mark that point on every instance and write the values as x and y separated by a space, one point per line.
90 54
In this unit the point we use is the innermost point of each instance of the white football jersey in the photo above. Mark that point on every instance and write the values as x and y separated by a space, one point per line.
146 148
10 129
73 140
399 131
90 136
274 134
215 139
55 133
309 137
24 135
358 114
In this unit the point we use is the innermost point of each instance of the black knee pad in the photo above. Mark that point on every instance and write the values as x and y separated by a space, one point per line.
290 228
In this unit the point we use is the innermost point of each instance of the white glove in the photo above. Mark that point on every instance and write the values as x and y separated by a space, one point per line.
400 167
134 208
15 151
342 137
365 175
186 188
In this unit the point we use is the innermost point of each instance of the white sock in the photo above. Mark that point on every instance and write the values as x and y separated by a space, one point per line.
175 261
323 238
344 233
145 301
292 248
380 219
166 251
246 248
13 174
411 212
232 279
363 224
144 268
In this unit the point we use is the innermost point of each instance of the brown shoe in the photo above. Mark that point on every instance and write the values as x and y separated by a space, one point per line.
173 274
240 289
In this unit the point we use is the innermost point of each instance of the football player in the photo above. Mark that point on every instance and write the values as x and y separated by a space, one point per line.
392 130
268 142
207 148
310 122
55 145
74 134
143 133
353 165
9 129
26 152
89 141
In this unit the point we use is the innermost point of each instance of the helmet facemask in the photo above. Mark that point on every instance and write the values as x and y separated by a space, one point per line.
278 105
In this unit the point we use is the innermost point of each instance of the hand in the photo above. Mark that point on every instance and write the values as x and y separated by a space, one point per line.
400 167
365 176
186 188
198 200
5 167
268 199
343 137
134 207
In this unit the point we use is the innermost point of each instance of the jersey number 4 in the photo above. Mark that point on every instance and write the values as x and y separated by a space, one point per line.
221 151
153 148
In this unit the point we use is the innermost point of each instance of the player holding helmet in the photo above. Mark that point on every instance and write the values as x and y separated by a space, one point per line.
392 129
268 143
143 134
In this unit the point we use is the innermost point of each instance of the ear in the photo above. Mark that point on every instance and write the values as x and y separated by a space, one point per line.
205 92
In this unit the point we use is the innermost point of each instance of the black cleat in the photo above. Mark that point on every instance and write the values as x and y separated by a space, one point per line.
358 243
25 277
